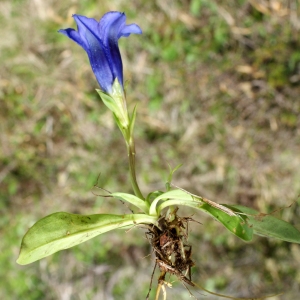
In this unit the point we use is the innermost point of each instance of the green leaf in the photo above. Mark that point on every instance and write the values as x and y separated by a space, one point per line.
172 171
174 194
236 224
63 230
141 204
151 196
267 225
132 120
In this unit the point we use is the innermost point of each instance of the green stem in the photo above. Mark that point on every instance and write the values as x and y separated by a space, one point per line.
131 159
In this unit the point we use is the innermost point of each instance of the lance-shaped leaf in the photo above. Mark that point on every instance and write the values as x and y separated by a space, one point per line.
141 204
172 171
63 230
233 222
174 194
268 225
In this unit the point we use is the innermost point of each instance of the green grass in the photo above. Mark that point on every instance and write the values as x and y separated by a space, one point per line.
217 85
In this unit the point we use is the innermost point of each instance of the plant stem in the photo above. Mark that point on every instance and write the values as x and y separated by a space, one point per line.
131 159
161 283
158 291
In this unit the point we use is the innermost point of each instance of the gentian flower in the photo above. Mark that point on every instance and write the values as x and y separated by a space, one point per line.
100 41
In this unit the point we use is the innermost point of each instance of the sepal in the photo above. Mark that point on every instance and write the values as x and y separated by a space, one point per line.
115 101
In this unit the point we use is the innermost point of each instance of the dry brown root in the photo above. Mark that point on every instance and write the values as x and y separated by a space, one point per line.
172 252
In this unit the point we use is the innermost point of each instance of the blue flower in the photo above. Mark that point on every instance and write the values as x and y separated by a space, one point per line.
100 41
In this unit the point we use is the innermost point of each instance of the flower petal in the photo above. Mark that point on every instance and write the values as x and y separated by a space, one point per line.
87 28
73 35
100 41
99 63
109 27
128 29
